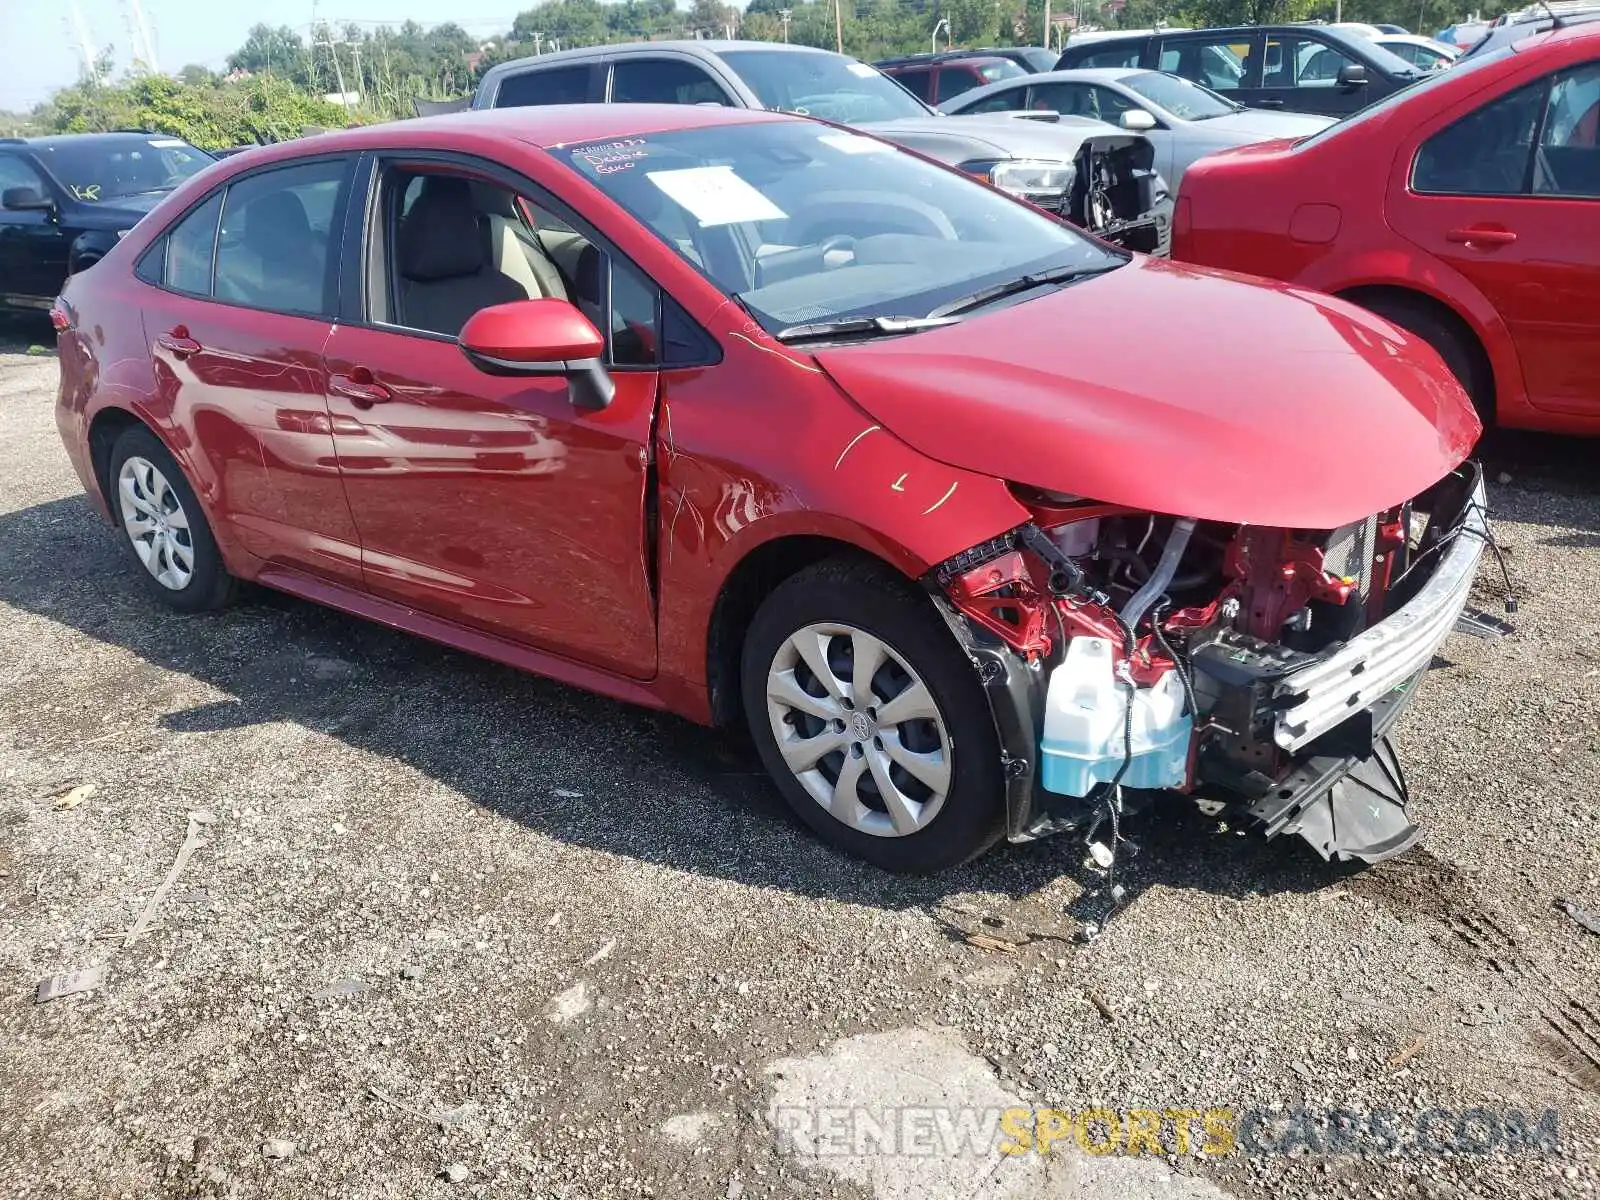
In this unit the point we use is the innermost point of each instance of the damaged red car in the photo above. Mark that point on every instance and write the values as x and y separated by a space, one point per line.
983 528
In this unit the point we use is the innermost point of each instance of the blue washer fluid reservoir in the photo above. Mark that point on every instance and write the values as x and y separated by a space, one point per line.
1084 740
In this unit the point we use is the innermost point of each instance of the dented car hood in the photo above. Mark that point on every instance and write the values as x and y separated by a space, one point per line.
1179 390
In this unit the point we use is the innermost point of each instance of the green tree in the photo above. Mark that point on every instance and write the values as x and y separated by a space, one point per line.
269 51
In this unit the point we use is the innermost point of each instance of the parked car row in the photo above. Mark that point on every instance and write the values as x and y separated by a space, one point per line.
982 527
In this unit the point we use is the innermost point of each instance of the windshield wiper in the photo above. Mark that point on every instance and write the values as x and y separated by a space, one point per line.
1023 283
860 327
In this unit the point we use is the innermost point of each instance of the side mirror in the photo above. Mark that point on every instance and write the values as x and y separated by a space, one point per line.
1137 119
1351 75
24 199
540 337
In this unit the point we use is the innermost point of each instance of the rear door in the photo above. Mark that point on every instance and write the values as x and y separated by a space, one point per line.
1506 192
33 244
493 501
245 290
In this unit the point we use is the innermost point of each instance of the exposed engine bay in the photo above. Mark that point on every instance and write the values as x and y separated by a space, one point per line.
1254 670
1117 194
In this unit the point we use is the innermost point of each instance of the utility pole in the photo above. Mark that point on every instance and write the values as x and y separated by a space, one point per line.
838 25
785 13
338 70
1047 24
85 47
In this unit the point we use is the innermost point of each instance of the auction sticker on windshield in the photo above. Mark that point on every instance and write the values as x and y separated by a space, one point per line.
715 195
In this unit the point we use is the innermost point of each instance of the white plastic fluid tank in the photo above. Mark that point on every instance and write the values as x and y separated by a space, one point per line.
1084 722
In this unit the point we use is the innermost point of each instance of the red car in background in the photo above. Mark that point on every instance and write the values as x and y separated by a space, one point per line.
773 424
1465 209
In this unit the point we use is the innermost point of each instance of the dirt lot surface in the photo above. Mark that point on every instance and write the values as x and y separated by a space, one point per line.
458 931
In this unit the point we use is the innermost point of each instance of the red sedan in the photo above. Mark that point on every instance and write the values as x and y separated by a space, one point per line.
749 417
1465 209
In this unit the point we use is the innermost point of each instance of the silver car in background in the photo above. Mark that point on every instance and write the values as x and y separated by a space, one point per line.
1181 119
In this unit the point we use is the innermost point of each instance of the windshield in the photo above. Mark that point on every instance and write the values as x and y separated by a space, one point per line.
1180 97
1393 100
804 224
101 169
829 86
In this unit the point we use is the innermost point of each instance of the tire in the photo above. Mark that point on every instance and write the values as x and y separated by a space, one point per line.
823 615
176 556
1453 344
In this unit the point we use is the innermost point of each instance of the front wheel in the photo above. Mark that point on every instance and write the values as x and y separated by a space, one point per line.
871 720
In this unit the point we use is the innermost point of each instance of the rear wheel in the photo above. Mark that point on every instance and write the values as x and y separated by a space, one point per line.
870 719
1449 338
163 527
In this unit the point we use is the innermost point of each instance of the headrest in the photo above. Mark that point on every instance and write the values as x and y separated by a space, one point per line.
439 237
275 221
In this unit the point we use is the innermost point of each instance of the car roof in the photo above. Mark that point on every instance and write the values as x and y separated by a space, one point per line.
117 137
702 48
544 126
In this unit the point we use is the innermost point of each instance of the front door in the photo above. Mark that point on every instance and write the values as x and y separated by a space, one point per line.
1300 73
495 501
33 245
1508 196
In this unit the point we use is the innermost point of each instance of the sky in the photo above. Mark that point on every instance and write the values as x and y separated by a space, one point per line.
39 51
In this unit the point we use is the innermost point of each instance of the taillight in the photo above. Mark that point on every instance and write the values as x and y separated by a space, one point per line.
61 315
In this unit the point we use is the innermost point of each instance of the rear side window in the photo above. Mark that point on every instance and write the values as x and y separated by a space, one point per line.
955 80
1485 153
562 85
1123 54
916 82
1009 100
187 267
274 244
1219 64
663 81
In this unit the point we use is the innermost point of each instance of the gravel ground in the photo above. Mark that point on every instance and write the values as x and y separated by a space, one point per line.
454 930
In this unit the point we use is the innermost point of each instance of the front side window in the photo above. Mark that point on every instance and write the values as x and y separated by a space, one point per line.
455 245
99 169
1302 62
1485 153
803 224
560 85
830 86
663 81
275 244
1182 98
1568 162
15 173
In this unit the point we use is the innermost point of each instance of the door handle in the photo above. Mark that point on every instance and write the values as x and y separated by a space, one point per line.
1269 102
179 343
363 392
1480 237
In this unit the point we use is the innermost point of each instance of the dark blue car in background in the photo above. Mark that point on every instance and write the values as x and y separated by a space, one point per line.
65 200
